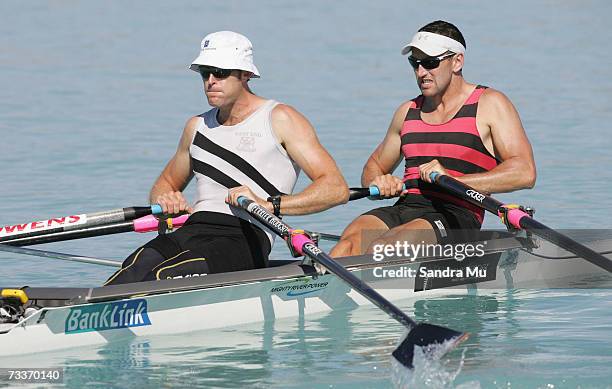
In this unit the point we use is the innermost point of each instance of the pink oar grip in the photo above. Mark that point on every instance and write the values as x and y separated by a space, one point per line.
515 216
145 224
179 220
149 223
298 241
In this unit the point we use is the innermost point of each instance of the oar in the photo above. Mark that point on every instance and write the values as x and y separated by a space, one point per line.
372 193
56 255
144 224
359 193
519 219
420 334
74 222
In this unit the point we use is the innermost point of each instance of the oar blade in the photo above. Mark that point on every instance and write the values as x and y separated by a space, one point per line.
427 336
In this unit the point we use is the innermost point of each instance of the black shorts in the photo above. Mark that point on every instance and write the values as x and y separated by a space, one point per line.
208 242
451 223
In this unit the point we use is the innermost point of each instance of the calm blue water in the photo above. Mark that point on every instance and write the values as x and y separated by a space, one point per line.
93 98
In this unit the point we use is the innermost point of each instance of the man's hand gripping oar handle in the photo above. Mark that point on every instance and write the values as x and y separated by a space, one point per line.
420 334
373 193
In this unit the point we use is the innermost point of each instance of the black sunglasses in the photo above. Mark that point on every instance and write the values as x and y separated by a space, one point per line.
218 73
428 63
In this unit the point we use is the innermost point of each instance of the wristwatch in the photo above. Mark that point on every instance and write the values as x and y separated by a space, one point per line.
276 201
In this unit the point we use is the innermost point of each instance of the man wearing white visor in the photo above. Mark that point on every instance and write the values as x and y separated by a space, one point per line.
245 145
454 127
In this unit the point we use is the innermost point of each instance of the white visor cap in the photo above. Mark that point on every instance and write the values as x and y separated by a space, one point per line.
226 50
433 44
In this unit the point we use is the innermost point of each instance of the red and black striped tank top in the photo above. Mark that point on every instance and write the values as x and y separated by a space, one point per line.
456 144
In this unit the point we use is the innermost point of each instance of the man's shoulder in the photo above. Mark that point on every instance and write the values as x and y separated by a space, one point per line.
284 109
191 126
402 110
492 96
193 122
285 113
494 105
412 103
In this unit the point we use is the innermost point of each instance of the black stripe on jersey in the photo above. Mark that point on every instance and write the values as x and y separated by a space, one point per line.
214 174
459 165
413 114
467 111
455 138
236 161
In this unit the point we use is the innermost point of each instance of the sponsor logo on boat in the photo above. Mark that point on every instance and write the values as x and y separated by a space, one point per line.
111 316
42 225
475 195
299 287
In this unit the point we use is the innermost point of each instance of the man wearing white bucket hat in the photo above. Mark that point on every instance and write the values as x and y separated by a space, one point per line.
244 146
469 131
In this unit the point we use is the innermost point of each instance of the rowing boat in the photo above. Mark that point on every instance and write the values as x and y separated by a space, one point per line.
60 318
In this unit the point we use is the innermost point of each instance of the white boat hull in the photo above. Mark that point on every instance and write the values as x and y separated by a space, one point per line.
88 324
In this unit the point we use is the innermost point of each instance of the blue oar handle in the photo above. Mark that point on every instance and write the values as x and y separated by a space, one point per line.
156 209
243 201
433 176
375 192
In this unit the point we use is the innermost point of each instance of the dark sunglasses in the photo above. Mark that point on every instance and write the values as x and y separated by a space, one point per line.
428 63
218 73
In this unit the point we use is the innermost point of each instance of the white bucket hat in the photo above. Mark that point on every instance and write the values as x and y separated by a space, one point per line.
226 50
433 44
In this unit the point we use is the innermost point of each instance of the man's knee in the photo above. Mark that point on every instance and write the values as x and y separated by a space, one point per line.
136 267
184 265
343 248
415 231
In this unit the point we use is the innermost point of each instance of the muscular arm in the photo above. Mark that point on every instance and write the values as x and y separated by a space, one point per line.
178 172
328 187
517 169
388 153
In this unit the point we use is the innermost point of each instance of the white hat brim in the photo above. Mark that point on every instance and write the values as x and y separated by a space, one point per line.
429 49
208 60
